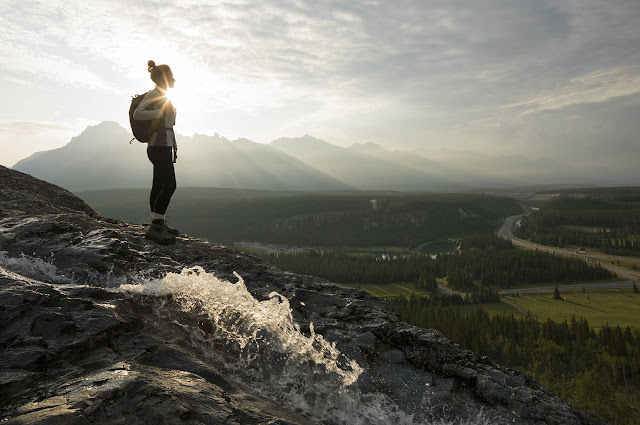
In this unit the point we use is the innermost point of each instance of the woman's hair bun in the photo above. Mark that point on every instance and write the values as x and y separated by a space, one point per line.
151 65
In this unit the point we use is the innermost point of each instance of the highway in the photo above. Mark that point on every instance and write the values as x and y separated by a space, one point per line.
602 259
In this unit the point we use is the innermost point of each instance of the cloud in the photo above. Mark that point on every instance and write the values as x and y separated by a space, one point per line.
21 128
599 86
454 55
26 50
19 139
482 73
42 67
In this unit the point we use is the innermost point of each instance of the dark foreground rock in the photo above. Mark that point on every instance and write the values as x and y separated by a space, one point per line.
77 348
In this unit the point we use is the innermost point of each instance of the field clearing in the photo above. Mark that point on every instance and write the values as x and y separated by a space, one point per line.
406 289
491 308
612 306
578 285
389 289
584 229
630 265
376 249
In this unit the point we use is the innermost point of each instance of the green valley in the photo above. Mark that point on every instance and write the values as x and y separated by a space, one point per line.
400 247
336 219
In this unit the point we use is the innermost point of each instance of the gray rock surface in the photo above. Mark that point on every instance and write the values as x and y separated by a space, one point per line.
78 347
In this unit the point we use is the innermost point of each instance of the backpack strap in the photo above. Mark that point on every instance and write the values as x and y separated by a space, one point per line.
159 123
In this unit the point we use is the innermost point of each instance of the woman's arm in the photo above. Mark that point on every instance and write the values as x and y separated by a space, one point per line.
147 109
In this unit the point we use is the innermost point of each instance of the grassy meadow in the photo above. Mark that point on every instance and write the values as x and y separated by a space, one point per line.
612 306
389 290
491 308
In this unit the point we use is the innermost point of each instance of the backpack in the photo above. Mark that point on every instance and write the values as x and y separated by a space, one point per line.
141 129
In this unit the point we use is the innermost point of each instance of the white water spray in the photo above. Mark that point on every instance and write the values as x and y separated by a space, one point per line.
263 347
260 345
34 268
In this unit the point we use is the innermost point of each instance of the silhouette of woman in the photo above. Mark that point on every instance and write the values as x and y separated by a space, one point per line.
162 150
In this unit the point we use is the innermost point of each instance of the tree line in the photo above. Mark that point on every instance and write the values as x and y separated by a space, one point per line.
597 371
482 261
350 219
495 262
612 227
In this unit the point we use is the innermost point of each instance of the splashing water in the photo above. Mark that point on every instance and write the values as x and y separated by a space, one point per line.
262 346
246 322
34 268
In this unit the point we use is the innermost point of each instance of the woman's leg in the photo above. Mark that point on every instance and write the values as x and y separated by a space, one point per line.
164 178
155 189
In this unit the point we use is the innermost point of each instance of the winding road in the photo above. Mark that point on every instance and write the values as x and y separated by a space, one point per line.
506 232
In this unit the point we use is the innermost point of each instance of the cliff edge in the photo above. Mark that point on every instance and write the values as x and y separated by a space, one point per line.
101 326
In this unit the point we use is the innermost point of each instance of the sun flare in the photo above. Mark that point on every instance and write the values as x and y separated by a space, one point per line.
186 94
179 97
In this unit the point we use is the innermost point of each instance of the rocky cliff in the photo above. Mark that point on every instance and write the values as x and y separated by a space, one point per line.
101 326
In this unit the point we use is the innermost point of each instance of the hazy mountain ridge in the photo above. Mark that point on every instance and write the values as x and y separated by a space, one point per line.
368 166
101 158
98 158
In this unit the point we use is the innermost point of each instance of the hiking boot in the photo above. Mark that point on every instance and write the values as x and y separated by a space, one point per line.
157 233
171 230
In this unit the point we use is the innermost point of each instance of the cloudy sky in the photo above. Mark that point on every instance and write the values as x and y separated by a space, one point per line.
558 79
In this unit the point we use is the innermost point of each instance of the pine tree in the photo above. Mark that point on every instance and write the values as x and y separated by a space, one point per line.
556 294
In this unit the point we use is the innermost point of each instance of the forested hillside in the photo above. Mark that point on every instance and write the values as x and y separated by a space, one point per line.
610 224
482 260
495 262
315 219
598 371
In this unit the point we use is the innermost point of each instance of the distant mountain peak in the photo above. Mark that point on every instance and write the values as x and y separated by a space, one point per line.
110 126
305 138
242 140
100 134
368 147
102 158
309 137
107 124
205 138
305 142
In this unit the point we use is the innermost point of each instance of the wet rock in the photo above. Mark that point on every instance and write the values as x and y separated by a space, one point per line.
366 342
76 351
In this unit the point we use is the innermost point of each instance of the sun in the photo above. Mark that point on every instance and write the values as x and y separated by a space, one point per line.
178 96
190 94
186 94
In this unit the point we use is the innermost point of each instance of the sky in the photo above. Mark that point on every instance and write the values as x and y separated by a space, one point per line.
557 79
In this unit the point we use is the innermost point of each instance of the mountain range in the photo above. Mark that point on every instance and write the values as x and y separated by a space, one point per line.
101 158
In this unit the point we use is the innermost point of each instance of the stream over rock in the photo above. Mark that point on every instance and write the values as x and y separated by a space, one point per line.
100 326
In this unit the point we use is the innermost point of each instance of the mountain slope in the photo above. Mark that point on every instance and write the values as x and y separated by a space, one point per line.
100 158
369 166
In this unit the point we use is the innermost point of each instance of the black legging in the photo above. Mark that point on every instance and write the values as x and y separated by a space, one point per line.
164 177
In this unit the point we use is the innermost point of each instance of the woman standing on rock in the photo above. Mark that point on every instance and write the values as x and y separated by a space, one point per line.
162 150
